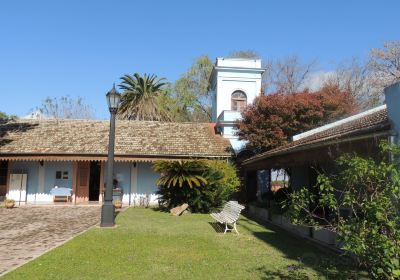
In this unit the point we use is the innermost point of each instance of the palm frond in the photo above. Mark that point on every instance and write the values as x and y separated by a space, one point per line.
139 100
181 173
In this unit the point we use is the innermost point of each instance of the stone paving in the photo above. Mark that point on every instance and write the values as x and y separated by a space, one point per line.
27 232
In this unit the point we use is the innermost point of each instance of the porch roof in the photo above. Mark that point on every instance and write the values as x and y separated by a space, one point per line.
371 123
88 140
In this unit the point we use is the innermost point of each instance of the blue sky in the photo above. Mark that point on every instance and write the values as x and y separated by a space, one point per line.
79 48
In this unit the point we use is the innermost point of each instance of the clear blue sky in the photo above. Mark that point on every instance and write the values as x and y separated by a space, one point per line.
79 48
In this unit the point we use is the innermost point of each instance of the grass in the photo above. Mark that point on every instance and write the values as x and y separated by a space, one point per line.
149 244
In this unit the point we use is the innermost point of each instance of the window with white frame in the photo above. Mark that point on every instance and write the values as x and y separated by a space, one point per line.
62 175
238 101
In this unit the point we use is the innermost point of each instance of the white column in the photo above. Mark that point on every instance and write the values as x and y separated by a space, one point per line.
134 172
40 193
41 176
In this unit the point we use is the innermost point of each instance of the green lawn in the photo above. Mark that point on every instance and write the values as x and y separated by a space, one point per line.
148 244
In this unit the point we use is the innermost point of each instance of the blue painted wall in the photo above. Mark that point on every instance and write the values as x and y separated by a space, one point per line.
147 178
31 168
122 172
50 175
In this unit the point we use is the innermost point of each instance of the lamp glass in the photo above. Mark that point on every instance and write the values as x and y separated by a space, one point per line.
113 99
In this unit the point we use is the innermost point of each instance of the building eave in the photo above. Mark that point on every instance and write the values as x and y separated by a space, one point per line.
102 157
326 142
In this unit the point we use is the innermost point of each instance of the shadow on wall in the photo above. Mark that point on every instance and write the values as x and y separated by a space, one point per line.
9 126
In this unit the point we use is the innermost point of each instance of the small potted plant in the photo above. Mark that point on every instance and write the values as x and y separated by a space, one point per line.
9 203
118 204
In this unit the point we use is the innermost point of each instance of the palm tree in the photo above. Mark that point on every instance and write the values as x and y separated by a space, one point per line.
139 100
182 173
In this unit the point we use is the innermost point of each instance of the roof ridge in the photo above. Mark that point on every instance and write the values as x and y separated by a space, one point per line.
101 120
338 123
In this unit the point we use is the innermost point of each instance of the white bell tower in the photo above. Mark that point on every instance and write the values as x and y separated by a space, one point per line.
235 83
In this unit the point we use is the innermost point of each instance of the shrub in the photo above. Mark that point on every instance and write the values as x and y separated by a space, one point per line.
217 182
181 173
371 189
9 203
281 199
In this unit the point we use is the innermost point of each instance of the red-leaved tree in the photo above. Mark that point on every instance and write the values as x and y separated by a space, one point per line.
273 119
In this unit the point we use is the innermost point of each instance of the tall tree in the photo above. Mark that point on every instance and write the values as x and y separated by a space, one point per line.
65 107
287 75
4 116
140 98
353 76
385 64
192 90
273 119
366 81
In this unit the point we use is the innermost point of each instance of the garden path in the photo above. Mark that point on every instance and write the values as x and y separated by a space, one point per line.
28 232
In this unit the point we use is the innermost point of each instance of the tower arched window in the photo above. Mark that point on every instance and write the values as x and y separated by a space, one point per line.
238 101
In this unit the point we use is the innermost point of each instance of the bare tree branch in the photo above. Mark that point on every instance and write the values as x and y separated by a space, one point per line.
65 107
287 75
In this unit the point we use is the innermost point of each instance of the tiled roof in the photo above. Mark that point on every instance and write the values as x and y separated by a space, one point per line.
368 122
90 137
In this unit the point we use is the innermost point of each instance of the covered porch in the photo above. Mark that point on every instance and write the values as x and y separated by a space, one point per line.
309 154
304 165
31 180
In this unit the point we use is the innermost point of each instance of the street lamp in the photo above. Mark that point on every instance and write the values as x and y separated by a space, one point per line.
107 210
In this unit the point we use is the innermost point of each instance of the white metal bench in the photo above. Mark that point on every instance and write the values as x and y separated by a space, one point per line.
229 215
61 194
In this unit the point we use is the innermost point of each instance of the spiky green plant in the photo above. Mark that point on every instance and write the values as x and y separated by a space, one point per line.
203 184
140 98
182 173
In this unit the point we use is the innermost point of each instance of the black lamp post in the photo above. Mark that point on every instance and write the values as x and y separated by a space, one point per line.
107 211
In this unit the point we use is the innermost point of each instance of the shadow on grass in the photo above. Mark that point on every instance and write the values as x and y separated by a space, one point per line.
297 272
217 227
117 212
162 209
327 263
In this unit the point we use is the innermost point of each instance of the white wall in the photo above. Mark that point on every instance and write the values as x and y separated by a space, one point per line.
392 100
228 76
227 85
142 184
238 62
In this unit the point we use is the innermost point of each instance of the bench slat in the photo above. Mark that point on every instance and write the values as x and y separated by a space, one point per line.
229 214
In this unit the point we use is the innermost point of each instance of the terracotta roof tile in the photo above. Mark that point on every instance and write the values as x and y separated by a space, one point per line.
375 121
133 138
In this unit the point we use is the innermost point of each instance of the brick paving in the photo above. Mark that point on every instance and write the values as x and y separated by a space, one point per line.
27 232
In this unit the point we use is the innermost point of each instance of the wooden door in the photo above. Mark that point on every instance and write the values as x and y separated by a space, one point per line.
4 175
82 181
